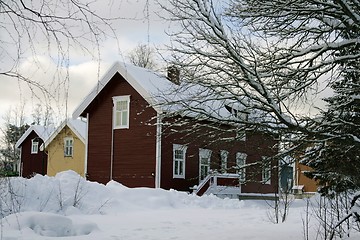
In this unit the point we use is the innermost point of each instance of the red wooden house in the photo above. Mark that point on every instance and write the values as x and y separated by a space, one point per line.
32 158
130 141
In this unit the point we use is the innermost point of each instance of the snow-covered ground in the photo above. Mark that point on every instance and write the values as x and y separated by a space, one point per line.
69 207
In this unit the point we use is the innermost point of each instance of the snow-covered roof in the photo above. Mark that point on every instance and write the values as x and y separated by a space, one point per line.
43 132
194 100
147 83
76 125
160 93
185 99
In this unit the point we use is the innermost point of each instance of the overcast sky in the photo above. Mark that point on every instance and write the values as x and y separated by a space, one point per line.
137 23
133 28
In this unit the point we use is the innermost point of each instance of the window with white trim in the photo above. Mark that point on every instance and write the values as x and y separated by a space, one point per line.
34 146
179 156
204 161
121 112
240 165
224 158
266 170
68 147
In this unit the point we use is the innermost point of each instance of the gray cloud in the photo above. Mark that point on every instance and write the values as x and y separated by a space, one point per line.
135 24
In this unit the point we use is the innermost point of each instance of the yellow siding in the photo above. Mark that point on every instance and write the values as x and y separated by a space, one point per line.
310 185
57 162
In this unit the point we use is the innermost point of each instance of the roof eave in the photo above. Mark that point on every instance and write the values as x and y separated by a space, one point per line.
94 92
25 135
54 134
116 67
59 129
73 128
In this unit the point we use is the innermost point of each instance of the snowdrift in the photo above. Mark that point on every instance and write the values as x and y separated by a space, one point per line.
46 206
68 193
69 207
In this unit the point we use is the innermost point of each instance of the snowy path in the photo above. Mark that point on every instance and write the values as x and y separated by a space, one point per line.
211 224
207 224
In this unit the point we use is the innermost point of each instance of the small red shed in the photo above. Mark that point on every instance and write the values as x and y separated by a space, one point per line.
33 159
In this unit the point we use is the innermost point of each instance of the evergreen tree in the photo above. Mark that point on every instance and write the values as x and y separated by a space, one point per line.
336 161
9 153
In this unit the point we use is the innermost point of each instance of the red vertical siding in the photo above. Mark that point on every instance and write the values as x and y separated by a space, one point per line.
134 148
32 163
255 146
258 145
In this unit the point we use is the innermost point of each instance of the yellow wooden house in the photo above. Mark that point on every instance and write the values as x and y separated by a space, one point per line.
66 148
303 184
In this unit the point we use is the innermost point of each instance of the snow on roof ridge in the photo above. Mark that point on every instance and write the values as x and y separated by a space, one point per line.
164 95
76 125
146 82
79 126
152 86
43 132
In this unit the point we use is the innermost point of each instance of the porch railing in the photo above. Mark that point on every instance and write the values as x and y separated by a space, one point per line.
215 180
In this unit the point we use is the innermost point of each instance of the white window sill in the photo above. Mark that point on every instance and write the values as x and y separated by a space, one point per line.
178 176
125 127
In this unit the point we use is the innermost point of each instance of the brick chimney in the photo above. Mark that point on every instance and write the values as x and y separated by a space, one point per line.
173 74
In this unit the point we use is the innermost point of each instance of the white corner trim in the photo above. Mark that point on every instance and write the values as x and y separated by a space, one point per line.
158 151
86 146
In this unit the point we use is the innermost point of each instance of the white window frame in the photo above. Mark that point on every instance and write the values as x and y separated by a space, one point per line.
122 124
179 163
34 146
265 171
224 160
240 163
206 154
67 147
